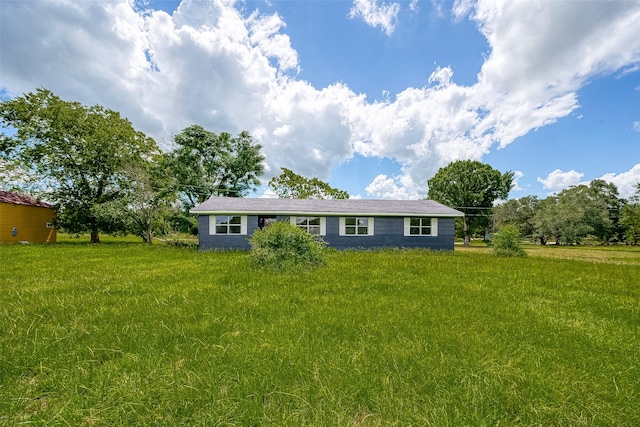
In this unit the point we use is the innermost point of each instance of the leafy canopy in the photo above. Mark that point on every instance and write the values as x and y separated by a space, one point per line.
79 153
206 164
471 187
290 185
580 211
519 212
631 217
149 202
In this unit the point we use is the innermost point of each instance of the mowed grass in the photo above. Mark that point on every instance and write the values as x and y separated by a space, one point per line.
125 334
617 254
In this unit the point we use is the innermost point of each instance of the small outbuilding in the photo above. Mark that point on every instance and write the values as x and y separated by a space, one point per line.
228 223
25 219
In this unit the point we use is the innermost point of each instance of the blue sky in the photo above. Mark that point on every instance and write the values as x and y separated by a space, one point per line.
372 96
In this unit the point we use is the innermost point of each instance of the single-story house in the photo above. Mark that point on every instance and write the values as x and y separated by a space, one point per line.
228 222
25 219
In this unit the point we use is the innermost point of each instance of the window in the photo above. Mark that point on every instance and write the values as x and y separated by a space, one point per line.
356 226
312 224
227 224
421 226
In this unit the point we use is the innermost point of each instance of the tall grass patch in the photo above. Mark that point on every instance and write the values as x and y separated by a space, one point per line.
284 247
506 242
128 334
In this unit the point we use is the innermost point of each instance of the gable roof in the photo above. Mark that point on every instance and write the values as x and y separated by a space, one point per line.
321 207
21 199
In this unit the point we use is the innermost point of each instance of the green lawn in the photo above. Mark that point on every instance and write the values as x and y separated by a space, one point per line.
124 334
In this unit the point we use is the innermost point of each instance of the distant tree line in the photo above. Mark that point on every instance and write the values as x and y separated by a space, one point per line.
593 212
103 176
290 185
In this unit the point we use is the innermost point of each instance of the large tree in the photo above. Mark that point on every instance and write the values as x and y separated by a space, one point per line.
578 212
206 164
605 211
149 203
80 153
561 218
470 187
519 212
631 217
290 185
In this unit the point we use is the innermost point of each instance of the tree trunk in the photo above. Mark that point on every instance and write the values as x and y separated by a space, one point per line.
95 235
467 235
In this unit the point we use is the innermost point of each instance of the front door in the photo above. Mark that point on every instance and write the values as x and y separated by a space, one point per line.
265 221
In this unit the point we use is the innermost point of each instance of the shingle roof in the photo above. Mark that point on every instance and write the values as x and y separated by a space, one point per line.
368 207
21 199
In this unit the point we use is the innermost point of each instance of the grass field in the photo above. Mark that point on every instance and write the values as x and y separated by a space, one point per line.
619 254
125 334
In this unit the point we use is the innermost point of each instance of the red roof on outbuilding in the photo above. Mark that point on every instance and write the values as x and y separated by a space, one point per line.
21 199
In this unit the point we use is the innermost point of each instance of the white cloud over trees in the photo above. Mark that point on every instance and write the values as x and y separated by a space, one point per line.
626 182
558 180
209 64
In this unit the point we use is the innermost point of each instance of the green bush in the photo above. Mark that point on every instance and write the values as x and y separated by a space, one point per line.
506 242
284 247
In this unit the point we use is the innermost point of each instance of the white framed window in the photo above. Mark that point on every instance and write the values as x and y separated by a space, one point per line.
312 224
420 226
49 225
227 224
356 226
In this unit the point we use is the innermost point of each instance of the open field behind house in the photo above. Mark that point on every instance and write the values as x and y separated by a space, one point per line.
126 334
617 254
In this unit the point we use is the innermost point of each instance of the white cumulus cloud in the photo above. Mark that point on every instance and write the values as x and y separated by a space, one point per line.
558 180
625 181
376 14
515 186
384 187
265 33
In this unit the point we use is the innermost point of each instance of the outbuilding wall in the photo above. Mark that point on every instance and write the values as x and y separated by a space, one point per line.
388 232
30 224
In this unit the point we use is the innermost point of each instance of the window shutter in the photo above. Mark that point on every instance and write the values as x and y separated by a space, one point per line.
434 226
407 223
243 225
370 229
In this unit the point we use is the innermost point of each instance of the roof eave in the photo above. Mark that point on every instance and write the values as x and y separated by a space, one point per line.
320 213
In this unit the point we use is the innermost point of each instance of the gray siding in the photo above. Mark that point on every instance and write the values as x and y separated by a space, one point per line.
221 241
388 232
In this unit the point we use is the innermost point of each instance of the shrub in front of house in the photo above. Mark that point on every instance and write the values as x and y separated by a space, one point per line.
284 247
506 242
